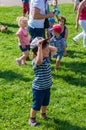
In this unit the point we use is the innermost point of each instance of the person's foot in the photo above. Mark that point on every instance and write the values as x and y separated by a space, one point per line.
18 61
24 63
44 116
33 122
74 41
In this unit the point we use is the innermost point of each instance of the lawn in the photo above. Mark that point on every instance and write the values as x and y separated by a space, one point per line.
68 93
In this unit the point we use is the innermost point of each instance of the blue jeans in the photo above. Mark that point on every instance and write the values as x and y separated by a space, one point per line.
40 98
36 32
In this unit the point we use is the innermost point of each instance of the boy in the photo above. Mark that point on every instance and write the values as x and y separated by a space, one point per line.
59 43
43 79
51 23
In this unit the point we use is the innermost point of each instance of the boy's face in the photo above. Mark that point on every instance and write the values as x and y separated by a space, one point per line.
45 51
55 33
51 23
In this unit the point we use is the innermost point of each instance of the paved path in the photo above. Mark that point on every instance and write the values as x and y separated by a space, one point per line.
19 2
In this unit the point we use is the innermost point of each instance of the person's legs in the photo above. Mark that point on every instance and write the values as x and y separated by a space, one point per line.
83 25
45 103
59 57
57 63
77 37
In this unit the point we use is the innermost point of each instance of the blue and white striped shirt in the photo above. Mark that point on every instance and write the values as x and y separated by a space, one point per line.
43 77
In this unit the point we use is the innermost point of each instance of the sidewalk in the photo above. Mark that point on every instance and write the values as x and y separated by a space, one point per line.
19 2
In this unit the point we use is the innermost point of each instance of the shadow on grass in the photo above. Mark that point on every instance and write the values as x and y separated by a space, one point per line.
9 25
63 125
79 76
75 54
10 76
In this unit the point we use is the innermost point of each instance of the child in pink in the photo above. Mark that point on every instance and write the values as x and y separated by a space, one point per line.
23 40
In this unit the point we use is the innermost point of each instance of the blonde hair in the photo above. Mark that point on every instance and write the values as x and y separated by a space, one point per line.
21 19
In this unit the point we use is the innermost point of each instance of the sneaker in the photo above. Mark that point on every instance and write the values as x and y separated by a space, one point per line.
44 116
18 61
74 41
24 63
33 122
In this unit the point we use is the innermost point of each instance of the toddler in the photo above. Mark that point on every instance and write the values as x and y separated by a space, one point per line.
59 43
43 80
23 40
51 23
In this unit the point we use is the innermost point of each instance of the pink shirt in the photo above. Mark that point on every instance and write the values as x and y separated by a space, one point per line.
83 14
23 36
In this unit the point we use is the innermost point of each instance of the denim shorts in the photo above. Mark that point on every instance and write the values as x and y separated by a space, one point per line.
40 98
24 49
36 32
58 55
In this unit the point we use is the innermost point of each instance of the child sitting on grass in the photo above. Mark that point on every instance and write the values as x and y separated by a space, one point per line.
43 79
59 43
23 40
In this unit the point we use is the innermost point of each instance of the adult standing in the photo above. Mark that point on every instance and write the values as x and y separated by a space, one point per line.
37 17
81 19
80 35
25 7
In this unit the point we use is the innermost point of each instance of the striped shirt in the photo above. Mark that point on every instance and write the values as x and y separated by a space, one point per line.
43 77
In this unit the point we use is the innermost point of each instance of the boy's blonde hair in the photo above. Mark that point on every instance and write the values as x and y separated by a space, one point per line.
21 19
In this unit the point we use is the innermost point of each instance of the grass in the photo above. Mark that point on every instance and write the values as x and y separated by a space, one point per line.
68 93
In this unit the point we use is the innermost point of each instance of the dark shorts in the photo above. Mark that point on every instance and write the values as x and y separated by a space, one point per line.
25 8
58 55
36 32
40 98
27 48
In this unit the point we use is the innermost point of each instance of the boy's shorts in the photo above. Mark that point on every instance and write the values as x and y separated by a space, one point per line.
40 98
25 8
27 48
58 55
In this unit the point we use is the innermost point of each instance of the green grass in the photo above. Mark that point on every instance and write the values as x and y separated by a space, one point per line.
68 93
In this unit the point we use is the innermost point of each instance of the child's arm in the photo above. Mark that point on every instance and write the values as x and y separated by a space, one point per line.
66 34
20 41
39 57
65 52
52 49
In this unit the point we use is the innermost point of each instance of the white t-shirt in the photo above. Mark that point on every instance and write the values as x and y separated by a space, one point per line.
36 23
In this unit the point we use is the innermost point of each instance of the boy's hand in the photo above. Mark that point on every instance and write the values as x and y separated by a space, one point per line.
40 43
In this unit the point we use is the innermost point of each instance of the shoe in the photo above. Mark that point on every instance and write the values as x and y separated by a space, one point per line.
18 61
44 116
74 41
24 63
33 122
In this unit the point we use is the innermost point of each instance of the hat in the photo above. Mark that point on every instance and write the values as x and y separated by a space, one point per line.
35 42
57 28
52 20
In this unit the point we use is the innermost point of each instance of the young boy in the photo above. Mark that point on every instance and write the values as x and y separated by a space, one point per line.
59 43
51 23
43 79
